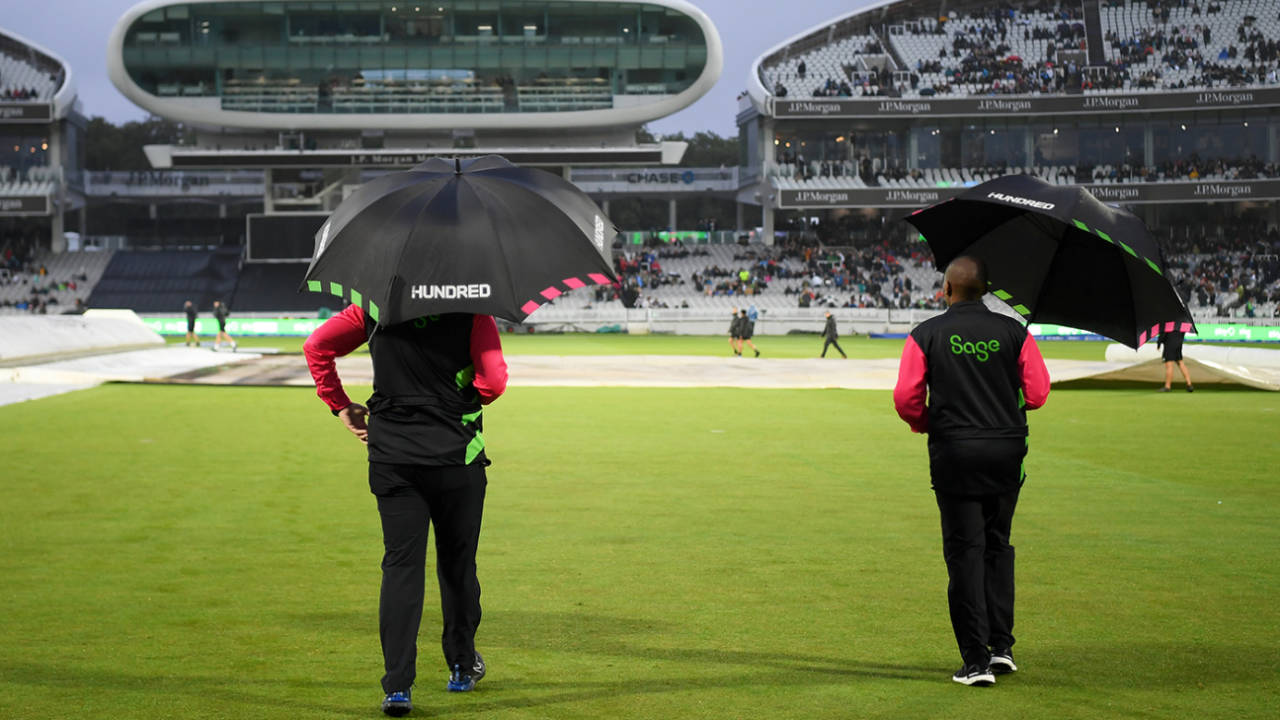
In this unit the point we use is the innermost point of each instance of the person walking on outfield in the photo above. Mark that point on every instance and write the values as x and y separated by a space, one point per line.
1172 342
746 328
220 313
829 336
980 372
735 332
431 378
190 310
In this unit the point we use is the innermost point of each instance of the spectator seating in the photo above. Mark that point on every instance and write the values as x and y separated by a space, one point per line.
269 287
1020 46
817 175
1190 45
869 275
34 182
82 269
18 75
1148 47
837 61
160 281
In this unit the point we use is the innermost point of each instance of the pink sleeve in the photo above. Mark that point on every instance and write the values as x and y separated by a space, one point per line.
1035 376
338 336
912 390
486 355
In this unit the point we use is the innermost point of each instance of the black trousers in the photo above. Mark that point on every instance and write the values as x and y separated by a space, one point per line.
975 545
411 497
828 342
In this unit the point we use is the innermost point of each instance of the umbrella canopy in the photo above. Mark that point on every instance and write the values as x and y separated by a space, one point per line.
477 236
1056 254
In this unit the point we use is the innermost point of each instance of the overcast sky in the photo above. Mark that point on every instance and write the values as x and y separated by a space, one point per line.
76 30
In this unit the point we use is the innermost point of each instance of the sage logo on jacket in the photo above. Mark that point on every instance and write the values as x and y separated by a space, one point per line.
450 292
981 349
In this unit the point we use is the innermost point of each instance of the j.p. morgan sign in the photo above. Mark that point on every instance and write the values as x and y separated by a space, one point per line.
1013 105
1135 193
19 112
24 205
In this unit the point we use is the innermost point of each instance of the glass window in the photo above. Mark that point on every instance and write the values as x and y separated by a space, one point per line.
478 55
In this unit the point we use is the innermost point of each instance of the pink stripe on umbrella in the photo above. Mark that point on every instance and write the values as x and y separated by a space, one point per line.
1142 339
1169 326
599 279
574 283
551 293
1155 330
1186 327
529 307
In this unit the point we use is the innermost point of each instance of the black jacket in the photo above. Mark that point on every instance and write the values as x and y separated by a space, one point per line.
972 365
424 405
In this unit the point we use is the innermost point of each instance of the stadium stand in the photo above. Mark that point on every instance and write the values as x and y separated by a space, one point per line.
33 182
49 282
857 268
1226 43
273 287
160 281
1227 269
844 174
21 78
1044 47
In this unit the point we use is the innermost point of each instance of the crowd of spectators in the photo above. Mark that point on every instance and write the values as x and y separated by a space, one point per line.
1191 168
18 269
1231 267
20 94
1252 58
841 264
980 59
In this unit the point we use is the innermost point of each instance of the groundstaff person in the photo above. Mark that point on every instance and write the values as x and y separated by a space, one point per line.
220 313
190 309
746 328
431 377
830 335
980 372
1172 355
735 332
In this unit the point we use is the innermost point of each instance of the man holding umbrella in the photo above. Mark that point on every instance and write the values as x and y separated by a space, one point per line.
980 372
430 377
426 258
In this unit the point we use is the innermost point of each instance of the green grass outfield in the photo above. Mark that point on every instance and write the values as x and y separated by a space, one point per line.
213 553
771 346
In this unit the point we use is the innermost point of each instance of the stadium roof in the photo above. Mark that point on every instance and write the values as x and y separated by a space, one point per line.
41 110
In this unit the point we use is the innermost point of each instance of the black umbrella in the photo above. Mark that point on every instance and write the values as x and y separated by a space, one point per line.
1056 254
478 236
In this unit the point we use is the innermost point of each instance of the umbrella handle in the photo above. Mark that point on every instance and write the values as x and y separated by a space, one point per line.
457 166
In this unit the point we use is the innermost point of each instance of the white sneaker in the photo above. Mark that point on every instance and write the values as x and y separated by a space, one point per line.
1002 662
974 675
